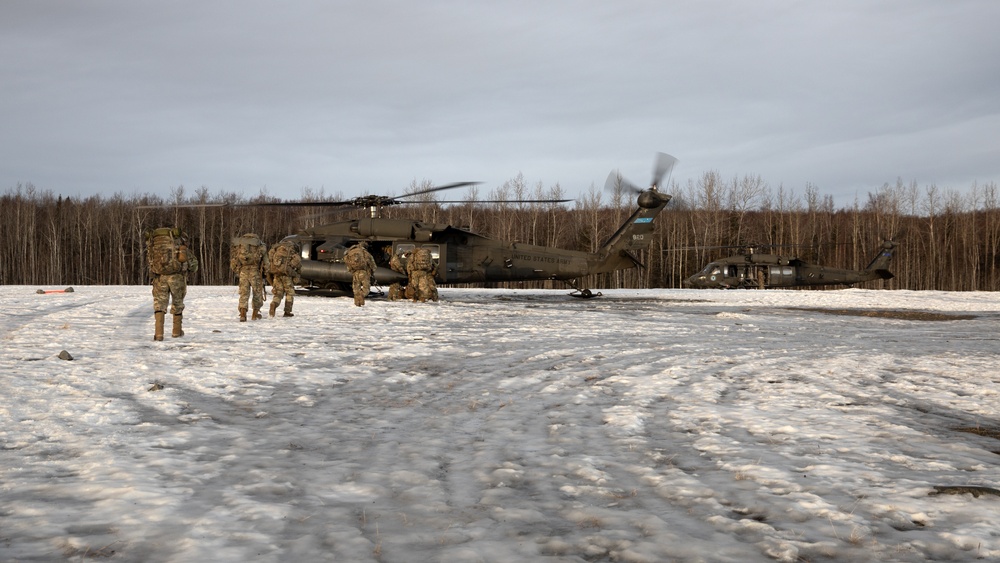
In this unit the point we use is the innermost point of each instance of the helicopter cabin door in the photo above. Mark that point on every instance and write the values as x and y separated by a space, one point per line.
736 275
781 276
459 260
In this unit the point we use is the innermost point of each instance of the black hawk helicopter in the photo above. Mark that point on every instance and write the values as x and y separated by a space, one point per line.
463 256
765 271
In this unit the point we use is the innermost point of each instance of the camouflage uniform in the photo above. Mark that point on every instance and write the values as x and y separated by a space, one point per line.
251 271
422 269
283 275
170 289
361 265
397 264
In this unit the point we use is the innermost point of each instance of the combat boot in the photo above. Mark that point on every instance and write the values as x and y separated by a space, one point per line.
256 315
274 307
158 330
243 314
177 326
288 311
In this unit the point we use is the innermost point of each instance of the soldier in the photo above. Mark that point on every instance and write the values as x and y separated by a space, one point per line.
361 265
422 269
248 258
285 265
169 264
398 264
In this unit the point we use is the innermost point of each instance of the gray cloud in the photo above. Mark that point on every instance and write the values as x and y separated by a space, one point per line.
358 97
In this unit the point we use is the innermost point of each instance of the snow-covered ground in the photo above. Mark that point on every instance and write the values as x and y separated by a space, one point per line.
654 425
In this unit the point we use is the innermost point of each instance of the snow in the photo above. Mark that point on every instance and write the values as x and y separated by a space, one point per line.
501 425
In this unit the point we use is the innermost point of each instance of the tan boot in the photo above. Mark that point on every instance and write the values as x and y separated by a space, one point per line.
274 307
243 314
177 326
256 315
288 310
158 329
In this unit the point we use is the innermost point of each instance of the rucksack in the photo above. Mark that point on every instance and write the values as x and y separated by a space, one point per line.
163 251
355 259
280 258
246 250
421 260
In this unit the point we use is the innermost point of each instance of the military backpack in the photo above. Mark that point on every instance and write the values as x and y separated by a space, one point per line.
281 258
247 250
355 259
421 260
166 251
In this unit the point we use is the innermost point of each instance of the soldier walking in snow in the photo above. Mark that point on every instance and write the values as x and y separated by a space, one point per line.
169 264
248 258
361 265
285 264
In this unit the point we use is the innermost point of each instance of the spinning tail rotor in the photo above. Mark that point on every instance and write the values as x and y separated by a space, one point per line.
662 168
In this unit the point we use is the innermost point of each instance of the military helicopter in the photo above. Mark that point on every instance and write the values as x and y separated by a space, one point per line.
764 271
463 256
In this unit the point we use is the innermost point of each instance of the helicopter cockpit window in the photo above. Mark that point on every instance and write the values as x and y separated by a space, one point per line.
711 270
435 251
402 249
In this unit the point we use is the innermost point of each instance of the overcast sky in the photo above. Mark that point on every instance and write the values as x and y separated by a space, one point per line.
362 97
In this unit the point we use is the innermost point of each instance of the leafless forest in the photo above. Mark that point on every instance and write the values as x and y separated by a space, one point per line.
948 239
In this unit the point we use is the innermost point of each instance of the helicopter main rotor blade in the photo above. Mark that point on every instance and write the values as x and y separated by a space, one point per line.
444 187
297 204
365 200
495 201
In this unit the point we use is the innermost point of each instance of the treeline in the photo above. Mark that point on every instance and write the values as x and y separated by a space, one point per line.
948 239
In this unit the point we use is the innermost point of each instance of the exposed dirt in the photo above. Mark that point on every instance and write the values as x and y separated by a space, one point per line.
890 314
988 431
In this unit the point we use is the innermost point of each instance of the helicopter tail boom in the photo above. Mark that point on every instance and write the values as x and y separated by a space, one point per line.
635 234
880 265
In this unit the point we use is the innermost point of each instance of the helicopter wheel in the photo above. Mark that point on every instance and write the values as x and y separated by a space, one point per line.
585 294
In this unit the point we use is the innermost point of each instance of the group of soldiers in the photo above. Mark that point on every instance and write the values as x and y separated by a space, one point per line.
170 263
420 269
417 264
251 260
